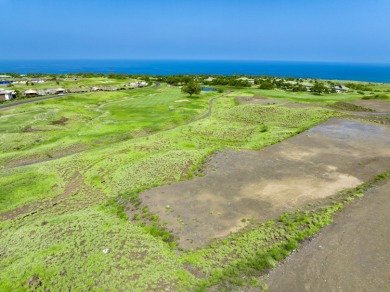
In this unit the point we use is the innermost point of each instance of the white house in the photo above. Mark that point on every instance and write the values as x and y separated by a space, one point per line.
340 88
250 81
138 84
19 81
37 80
7 94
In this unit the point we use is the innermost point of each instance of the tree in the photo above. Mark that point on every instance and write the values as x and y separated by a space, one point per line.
266 84
319 88
191 88
298 88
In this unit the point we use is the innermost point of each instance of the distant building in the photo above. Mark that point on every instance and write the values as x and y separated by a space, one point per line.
7 94
95 88
19 81
50 91
30 92
103 88
60 91
37 80
41 92
137 84
250 81
339 88
77 90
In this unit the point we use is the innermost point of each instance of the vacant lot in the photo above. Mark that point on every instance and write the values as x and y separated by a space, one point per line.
350 255
261 185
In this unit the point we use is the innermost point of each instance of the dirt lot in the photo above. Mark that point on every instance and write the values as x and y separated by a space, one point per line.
271 101
379 106
263 184
352 254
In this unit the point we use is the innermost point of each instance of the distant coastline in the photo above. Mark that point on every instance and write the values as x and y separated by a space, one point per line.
334 71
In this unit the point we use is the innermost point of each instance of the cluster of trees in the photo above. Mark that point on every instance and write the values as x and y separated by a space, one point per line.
293 84
358 86
265 84
189 84
122 76
319 88
229 81
14 75
177 79
289 83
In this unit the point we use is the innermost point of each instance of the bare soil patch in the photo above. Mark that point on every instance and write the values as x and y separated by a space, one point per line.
263 184
380 106
261 100
352 254
61 121
40 158
272 101
30 129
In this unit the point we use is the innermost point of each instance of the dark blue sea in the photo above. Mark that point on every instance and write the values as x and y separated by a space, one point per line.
338 71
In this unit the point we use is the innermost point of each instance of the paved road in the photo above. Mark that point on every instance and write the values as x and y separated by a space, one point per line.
14 104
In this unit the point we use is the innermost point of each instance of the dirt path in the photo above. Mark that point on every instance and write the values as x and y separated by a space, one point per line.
263 184
352 254
77 195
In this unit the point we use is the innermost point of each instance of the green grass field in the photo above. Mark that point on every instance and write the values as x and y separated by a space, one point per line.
68 166
66 125
73 83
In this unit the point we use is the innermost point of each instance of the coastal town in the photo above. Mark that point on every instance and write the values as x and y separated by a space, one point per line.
27 86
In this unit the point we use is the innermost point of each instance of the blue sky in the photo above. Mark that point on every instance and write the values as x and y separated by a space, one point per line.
300 30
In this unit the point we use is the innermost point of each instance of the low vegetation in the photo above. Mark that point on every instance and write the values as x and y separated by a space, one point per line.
72 168
378 96
350 107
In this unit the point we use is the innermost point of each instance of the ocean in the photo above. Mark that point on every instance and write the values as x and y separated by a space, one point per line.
335 71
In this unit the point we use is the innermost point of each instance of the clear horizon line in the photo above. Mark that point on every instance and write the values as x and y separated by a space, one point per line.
198 59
